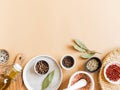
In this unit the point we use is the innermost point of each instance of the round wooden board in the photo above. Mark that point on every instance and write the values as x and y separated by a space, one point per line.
110 57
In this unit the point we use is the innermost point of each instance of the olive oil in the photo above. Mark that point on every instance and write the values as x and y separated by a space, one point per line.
5 79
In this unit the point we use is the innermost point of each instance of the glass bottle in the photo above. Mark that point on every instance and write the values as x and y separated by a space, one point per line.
5 79
11 73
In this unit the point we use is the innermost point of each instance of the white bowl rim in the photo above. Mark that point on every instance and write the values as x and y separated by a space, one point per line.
64 66
84 72
114 62
38 60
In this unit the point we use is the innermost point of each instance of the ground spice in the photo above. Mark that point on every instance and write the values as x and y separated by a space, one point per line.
68 61
113 72
82 76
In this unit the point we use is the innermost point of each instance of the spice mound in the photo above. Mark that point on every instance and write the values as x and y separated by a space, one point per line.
68 61
42 67
113 72
79 77
4 56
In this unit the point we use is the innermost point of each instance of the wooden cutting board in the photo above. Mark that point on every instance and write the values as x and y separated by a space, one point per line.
17 84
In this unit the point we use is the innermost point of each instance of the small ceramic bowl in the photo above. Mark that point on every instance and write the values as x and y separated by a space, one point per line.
82 72
105 75
68 62
41 67
4 56
93 64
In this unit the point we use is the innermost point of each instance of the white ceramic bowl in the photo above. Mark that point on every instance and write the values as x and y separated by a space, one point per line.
36 64
34 81
68 68
115 62
91 78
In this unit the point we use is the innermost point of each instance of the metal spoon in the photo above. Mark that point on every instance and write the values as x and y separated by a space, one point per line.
81 83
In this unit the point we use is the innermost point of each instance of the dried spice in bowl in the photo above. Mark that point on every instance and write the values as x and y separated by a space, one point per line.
4 56
93 64
112 72
77 76
41 67
82 76
67 62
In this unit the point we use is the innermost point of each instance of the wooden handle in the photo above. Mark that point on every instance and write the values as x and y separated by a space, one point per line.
19 58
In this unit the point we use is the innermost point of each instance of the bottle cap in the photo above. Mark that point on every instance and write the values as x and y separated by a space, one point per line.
18 67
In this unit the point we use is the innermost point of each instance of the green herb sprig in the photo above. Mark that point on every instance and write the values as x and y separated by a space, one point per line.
48 80
85 52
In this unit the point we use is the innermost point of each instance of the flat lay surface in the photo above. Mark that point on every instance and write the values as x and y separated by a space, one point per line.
48 27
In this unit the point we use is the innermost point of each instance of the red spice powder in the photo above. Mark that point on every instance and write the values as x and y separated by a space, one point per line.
82 76
113 72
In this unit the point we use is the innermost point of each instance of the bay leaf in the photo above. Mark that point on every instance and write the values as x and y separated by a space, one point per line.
76 47
47 80
81 44
94 52
87 55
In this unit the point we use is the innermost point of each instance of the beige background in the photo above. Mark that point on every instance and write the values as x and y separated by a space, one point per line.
47 27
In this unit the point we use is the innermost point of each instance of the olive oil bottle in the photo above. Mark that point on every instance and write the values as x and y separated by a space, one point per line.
5 79
11 73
